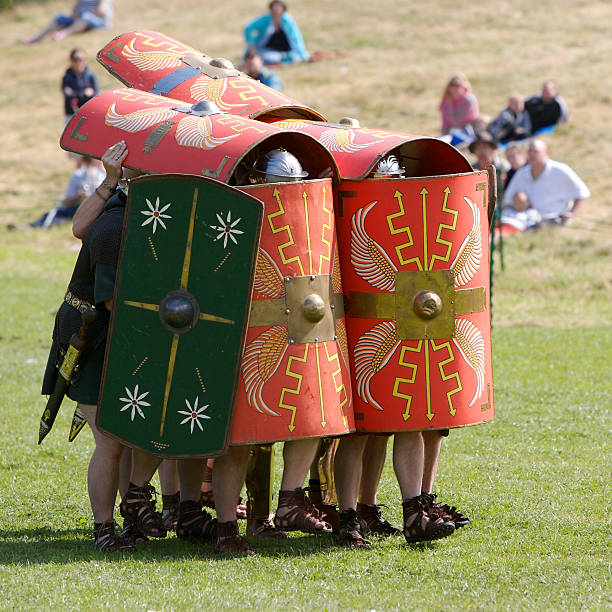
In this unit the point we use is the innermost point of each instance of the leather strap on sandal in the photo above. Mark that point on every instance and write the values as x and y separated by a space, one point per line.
229 540
301 515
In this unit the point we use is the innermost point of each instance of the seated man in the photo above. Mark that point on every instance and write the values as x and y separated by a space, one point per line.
276 36
513 123
83 181
547 109
544 190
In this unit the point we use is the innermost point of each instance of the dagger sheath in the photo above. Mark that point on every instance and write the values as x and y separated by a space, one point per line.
66 370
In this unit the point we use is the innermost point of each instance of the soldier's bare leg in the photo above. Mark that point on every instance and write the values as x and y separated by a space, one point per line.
169 483
432 447
193 522
408 462
137 507
228 477
368 509
190 474
103 472
294 511
125 471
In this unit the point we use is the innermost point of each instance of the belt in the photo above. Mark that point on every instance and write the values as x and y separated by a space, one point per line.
76 302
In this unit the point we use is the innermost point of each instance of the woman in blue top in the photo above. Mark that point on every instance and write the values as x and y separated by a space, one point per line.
276 36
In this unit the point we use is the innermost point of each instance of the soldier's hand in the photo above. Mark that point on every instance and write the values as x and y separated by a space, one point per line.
113 159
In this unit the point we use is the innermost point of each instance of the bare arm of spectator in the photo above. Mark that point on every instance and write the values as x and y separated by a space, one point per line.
93 206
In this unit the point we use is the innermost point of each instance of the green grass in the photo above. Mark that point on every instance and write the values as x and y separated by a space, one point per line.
535 481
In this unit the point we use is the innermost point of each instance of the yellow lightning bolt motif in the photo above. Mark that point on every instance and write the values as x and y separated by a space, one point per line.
296 391
321 402
405 229
337 373
445 377
326 227
148 41
450 226
285 228
410 380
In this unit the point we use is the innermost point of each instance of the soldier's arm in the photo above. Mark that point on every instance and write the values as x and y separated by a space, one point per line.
92 207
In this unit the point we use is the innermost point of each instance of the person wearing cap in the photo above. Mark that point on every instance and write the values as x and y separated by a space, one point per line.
276 36
484 148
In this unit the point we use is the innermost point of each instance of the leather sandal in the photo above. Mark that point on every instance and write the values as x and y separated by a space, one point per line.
372 521
107 540
328 512
229 540
264 528
138 508
170 510
130 533
419 526
349 533
195 523
301 515
448 513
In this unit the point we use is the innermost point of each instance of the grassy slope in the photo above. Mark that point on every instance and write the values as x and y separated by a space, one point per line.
536 481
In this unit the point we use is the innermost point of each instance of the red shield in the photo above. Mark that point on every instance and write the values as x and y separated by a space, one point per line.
358 150
153 62
295 381
168 136
415 265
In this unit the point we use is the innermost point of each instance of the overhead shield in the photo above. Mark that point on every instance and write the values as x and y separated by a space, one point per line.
153 62
171 136
181 306
415 266
295 381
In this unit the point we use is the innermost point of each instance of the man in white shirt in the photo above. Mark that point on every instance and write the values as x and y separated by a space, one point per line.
544 190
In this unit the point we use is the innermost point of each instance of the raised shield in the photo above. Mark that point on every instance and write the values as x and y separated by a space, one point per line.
295 381
153 62
415 267
181 306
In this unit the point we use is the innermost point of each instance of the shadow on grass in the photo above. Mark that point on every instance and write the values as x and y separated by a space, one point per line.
63 546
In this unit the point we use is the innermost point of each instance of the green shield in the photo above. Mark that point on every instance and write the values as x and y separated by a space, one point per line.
182 299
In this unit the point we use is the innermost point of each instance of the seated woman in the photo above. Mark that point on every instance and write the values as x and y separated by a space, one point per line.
276 36
459 106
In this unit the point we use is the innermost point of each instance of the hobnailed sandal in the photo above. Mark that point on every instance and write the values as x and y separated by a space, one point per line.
372 521
448 513
419 526
264 528
229 540
138 508
195 523
130 533
107 540
301 515
326 511
170 510
349 533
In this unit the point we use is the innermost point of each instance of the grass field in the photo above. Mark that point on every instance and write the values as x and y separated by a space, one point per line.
536 481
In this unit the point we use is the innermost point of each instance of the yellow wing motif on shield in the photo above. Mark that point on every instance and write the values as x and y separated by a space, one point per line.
213 90
467 260
197 132
372 352
151 60
268 279
342 141
138 120
260 361
470 342
291 124
368 257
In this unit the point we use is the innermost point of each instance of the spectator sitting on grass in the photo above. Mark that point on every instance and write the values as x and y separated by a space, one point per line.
516 155
276 36
254 67
459 106
88 175
513 123
485 150
547 109
86 15
544 190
